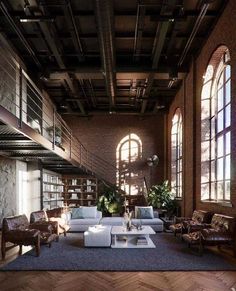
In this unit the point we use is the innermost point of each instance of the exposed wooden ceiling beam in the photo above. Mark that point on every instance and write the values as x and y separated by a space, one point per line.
167 9
105 22
73 29
20 34
128 75
52 41
150 13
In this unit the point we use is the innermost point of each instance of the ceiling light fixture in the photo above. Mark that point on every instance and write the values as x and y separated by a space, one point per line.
36 19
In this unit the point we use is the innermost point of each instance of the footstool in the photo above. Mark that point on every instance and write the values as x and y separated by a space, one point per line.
98 236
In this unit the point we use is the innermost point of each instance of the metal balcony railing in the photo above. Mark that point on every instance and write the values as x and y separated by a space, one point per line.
23 100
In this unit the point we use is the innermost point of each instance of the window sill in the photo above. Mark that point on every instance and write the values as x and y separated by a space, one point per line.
220 203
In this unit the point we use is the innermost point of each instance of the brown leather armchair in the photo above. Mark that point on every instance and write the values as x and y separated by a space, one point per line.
59 215
220 231
52 217
18 231
183 224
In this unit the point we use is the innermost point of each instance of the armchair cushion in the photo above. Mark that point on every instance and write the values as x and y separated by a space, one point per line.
222 229
216 235
44 226
22 236
40 215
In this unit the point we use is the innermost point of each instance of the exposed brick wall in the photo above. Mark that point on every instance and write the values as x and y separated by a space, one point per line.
188 97
102 134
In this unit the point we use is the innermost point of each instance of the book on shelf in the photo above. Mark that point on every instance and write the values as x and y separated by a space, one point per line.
142 240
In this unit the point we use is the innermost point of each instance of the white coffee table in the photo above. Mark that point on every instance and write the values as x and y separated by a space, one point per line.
122 238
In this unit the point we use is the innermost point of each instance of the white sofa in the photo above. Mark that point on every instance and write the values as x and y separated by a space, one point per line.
82 224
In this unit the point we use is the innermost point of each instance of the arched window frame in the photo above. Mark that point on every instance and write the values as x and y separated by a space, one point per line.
177 155
216 129
124 174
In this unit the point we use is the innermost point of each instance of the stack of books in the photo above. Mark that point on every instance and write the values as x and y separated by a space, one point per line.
141 240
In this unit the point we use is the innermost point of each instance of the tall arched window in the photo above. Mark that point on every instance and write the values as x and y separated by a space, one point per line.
216 128
128 151
176 154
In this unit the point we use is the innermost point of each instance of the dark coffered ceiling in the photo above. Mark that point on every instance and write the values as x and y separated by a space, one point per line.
103 56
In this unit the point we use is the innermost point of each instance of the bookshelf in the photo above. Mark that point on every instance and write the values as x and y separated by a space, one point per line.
79 191
52 190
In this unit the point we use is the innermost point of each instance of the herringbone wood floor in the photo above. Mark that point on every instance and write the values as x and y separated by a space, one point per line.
60 281
127 281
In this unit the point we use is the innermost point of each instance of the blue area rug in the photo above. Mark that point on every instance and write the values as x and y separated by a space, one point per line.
171 254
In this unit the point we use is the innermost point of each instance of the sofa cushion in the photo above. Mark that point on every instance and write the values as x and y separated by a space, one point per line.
85 221
77 213
144 212
112 220
89 212
152 221
84 212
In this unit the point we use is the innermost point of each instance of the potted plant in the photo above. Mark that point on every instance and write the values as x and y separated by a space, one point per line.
161 198
110 202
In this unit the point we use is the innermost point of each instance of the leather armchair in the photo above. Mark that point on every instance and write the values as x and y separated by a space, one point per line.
40 217
222 230
59 215
18 231
54 217
189 224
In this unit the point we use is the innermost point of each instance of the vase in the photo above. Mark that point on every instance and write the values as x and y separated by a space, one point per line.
129 224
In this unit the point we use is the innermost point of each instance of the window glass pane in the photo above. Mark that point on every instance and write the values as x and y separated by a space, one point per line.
206 91
205 111
220 99
213 101
124 155
227 167
213 177
220 169
205 172
220 190
227 190
227 72
213 191
213 127
176 154
205 151
227 115
213 149
133 150
227 143
220 146
220 121
227 92
205 192
215 123
220 82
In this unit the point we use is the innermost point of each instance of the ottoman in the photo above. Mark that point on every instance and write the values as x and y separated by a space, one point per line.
98 236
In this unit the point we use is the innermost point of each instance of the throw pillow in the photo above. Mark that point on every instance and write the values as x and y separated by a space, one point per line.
77 213
144 212
89 212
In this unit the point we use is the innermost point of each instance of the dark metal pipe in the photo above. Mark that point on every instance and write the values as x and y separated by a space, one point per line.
193 33
19 33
